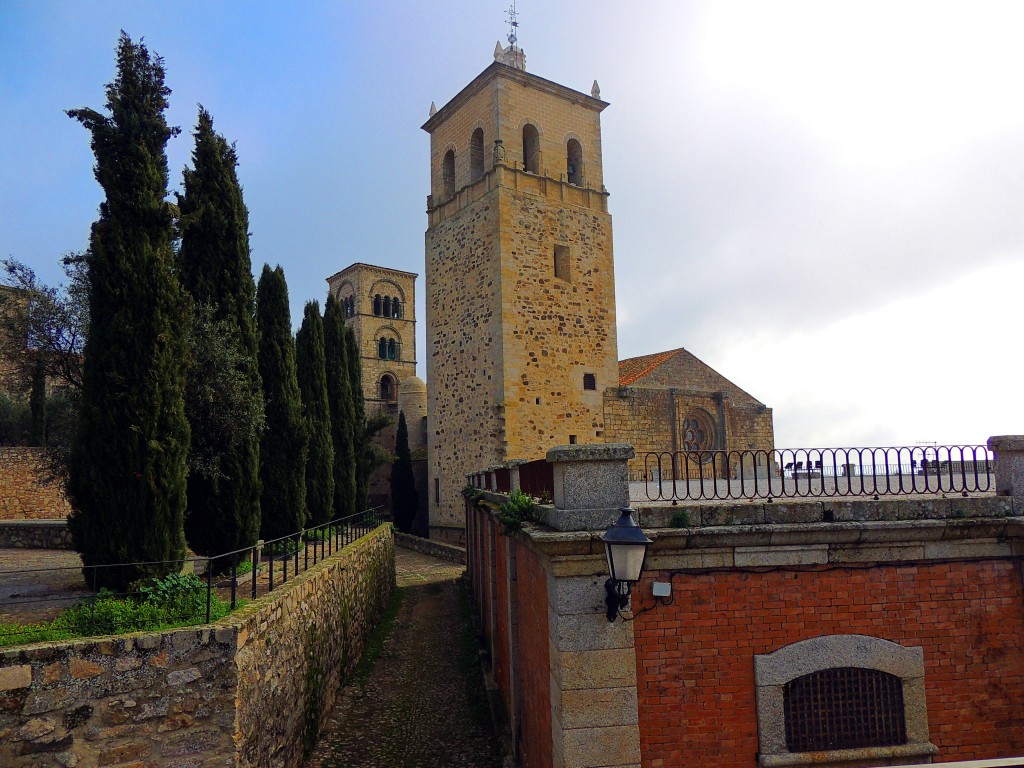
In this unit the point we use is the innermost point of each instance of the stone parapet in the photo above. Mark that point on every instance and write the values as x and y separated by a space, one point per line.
250 690
591 485
1009 469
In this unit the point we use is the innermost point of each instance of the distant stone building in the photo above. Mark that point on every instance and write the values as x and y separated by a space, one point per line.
672 401
520 298
379 305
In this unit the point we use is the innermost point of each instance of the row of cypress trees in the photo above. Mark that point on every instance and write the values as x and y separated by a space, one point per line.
269 442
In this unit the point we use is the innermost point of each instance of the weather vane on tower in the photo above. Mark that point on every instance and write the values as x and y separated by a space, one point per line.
513 25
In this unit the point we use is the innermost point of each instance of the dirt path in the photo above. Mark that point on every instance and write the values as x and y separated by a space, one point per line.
423 704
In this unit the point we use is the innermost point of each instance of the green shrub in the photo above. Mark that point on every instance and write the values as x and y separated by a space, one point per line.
517 510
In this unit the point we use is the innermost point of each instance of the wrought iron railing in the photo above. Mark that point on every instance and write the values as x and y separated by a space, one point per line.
251 571
816 472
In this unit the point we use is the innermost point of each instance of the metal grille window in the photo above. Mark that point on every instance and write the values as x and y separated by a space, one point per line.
844 708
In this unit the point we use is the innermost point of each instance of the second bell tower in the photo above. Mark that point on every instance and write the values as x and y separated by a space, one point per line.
520 289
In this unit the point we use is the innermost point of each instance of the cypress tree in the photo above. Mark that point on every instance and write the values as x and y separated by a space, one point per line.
339 396
361 448
283 447
215 269
404 497
312 372
37 402
127 467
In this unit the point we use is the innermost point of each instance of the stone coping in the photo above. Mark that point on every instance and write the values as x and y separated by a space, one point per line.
827 542
595 452
827 510
1006 443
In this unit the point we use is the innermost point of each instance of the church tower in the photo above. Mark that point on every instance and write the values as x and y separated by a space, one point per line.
379 305
520 287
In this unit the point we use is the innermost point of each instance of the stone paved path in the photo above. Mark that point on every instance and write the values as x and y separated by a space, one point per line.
423 705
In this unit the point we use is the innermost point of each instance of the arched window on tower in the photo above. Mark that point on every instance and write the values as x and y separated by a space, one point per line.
392 349
376 304
388 388
448 173
531 149
574 162
387 306
396 308
382 349
476 155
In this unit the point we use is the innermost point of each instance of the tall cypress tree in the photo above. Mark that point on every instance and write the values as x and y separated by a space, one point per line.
215 268
283 447
405 499
312 372
339 396
361 448
127 468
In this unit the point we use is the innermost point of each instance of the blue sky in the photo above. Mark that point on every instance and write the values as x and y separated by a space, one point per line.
822 200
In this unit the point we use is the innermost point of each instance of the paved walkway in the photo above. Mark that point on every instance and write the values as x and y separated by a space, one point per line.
423 704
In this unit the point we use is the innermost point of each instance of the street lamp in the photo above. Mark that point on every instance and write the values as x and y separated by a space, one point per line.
625 546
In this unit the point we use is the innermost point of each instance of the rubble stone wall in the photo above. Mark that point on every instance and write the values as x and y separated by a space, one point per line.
22 495
251 690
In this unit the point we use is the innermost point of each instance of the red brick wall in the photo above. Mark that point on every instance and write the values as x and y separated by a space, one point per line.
501 638
695 665
533 656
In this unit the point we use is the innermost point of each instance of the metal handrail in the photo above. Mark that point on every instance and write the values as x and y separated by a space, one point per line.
274 556
817 472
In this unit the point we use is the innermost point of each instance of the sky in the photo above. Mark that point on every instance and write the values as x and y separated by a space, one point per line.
823 201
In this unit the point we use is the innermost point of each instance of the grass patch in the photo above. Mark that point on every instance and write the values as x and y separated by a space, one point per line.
375 641
175 601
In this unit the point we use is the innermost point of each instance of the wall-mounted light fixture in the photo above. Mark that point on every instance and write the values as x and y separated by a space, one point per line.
625 545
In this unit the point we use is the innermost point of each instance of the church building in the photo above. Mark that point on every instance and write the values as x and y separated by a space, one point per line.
520 298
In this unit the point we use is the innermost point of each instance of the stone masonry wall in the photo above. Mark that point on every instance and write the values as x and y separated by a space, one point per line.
555 330
464 421
310 637
35 534
22 495
237 693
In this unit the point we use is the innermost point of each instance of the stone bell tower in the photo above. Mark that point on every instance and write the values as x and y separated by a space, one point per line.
519 278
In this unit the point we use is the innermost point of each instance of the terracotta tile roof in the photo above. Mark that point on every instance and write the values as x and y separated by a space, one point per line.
634 368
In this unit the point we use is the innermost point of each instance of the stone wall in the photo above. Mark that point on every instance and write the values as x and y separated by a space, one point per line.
250 690
436 549
22 495
35 534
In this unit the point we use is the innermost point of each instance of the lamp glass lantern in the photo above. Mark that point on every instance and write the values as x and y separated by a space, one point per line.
625 546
